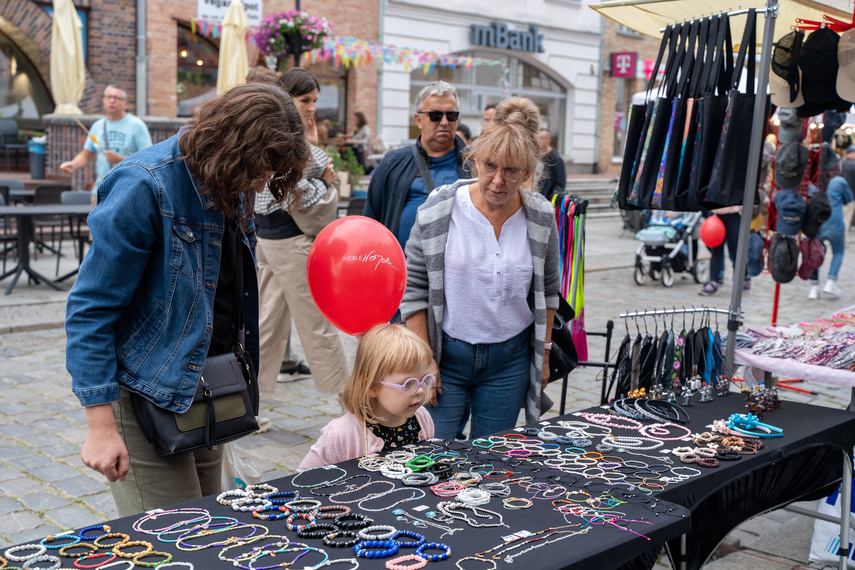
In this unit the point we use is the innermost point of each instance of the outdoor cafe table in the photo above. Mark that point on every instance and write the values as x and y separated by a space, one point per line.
26 235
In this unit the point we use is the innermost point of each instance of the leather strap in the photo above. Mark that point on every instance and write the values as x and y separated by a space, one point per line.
424 170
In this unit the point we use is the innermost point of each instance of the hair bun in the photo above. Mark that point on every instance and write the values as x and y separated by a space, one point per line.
518 111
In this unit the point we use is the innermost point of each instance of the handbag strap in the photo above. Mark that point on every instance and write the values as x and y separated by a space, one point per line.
693 88
679 60
673 62
237 295
707 59
746 49
689 60
424 170
666 39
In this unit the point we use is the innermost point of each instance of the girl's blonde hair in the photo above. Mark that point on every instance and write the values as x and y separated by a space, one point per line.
511 136
384 349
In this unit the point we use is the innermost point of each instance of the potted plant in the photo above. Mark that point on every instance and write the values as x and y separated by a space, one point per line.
290 33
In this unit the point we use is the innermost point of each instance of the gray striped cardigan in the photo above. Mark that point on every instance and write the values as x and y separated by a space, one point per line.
426 261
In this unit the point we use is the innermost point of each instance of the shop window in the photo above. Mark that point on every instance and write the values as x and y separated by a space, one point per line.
623 100
332 99
198 59
23 95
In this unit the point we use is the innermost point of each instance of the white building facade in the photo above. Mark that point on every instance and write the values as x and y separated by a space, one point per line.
550 52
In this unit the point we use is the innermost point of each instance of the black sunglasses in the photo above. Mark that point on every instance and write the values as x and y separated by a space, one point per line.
436 116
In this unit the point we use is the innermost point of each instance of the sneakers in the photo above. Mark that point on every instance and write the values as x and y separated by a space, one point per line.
263 424
814 293
746 285
299 372
831 288
710 288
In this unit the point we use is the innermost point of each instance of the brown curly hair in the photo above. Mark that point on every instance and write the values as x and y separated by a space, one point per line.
241 136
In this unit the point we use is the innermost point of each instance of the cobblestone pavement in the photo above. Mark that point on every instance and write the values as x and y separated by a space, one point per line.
45 488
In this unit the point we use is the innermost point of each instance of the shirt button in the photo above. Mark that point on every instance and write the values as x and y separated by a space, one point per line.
498 292
497 255
498 272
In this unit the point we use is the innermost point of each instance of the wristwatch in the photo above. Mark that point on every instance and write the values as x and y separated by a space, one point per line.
547 346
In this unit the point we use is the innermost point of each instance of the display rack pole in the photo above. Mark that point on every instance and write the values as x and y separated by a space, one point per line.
758 130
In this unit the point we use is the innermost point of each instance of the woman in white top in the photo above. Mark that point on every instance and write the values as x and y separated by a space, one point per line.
483 281
362 134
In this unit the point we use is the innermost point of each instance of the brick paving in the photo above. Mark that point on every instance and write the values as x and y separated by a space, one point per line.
45 488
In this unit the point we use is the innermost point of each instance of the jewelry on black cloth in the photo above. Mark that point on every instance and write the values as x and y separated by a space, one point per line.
330 539
352 521
319 530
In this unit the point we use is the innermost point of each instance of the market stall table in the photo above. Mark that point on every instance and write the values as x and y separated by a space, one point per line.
26 235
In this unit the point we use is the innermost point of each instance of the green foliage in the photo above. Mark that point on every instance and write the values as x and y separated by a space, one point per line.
353 166
333 153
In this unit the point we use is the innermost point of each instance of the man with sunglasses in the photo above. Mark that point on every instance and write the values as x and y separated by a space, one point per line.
112 138
407 175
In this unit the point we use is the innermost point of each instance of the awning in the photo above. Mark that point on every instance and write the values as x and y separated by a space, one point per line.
650 16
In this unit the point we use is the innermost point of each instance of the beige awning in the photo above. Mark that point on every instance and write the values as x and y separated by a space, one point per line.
232 67
650 16
67 72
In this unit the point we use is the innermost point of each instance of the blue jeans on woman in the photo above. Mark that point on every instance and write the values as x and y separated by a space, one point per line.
494 377
838 246
731 226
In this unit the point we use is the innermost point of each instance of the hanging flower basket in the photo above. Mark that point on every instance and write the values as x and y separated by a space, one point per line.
286 33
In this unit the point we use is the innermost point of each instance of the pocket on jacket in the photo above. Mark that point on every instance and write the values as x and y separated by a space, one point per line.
185 249
143 337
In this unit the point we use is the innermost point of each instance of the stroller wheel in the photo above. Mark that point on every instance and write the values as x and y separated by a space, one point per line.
701 271
640 275
667 276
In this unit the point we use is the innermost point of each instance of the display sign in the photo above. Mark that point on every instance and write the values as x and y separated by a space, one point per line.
497 35
214 11
623 63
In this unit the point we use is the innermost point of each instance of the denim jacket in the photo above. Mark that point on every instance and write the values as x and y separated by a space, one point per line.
141 311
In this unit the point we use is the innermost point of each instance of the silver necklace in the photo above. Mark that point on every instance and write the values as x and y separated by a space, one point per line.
332 498
453 509
510 558
403 515
415 496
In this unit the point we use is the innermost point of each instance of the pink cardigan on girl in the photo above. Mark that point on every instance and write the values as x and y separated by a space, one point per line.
344 438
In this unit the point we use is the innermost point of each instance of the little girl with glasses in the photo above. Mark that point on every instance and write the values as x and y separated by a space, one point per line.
392 378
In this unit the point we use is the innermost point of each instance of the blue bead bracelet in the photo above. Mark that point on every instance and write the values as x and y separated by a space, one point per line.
434 557
419 539
361 548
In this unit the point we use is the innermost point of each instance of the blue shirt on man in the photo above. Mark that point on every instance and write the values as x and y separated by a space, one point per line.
443 170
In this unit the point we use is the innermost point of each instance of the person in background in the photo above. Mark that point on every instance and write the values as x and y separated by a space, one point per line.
283 250
483 281
464 133
405 176
117 136
489 111
552 175
833 230
172 248
847 166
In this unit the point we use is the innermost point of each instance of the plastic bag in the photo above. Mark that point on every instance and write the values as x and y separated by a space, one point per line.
825 544
238 472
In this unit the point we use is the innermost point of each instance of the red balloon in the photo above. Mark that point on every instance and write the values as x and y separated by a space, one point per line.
713 231
357 273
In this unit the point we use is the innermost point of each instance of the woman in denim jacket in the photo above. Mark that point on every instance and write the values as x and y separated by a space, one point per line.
154 296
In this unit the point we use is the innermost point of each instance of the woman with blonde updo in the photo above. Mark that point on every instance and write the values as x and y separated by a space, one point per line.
483 280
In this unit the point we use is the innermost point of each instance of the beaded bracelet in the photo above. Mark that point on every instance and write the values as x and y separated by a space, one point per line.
467 479
273 516
447 489
420 462
48 541
353 561
497 489
484 560
129 565
474 496
708 462
434 557
361 548
117 550
79 563
387 532
65 554
318 530
303 505
138 559
201 516
329 539
419 539
308 517
102 527
245 504
419 479
238 495
332 511
265 488
124 538
512 503
395 470
55 560
282 497
395 563
400 456
352 521
372 463
10 552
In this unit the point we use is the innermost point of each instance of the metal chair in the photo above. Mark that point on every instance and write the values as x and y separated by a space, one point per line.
9 141
8 233
49 195
78 228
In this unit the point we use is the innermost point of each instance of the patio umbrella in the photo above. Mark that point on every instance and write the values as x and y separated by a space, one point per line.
67 72
232 67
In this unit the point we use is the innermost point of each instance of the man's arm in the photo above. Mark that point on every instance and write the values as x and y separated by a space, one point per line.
82 159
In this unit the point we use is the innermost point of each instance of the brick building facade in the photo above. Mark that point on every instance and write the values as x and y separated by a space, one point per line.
616 92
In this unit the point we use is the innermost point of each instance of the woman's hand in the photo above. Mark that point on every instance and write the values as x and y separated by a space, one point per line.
437 388
329 174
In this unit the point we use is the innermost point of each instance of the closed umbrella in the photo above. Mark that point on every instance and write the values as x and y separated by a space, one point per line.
232 68
67 72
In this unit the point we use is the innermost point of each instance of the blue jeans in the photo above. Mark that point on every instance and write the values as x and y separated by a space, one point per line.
494 377
731 226
838 246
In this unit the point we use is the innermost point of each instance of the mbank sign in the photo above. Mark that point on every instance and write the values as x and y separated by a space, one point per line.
497 35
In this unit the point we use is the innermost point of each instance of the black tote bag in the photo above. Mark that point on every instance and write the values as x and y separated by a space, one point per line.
637 129
711 111
730 168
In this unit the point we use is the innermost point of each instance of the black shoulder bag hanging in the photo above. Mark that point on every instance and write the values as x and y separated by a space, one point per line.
225 404
563 357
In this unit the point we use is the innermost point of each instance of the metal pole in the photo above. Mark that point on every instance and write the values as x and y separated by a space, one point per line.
758 128
845 506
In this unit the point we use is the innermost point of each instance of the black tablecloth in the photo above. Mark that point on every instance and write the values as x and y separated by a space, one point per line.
601 547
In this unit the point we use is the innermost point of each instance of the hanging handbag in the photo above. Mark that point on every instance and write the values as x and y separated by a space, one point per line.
636 133
730 168
563 358
224 406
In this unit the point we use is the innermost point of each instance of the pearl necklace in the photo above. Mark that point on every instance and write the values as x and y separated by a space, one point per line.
659 431
612 421
630 442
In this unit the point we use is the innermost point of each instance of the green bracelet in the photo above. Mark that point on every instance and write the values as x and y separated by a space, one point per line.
138 558
420 463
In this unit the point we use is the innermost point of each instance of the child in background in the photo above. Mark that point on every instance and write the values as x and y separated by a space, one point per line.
392 379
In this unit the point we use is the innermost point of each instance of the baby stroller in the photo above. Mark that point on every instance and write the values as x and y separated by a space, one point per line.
669 246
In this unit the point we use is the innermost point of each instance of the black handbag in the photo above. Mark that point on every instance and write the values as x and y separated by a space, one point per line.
563 357
224 406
